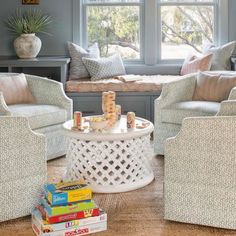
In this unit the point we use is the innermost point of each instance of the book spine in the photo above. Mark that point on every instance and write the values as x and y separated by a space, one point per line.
36 228
56 199
71 208
37 219
87 229
84 230
73 216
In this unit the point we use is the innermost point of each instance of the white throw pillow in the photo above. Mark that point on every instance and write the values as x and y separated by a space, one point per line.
104 68
221 55
77 68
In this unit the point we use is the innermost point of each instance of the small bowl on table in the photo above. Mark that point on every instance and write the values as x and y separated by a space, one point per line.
98 123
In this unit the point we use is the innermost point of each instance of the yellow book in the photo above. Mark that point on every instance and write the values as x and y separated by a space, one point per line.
67 192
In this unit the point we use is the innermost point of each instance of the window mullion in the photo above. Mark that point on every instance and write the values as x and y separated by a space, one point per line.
159 32
150 27
222 22
84 22
77 17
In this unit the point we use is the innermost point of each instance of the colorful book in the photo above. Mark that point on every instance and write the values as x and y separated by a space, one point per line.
73 216
66 209
41 223
63 193
79 231
68 217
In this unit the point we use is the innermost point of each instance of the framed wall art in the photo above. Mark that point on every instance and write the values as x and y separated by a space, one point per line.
30 2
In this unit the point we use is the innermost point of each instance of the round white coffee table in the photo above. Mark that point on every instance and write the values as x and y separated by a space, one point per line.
117 160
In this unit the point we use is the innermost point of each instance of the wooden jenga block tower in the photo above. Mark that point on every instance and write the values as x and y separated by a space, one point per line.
109 107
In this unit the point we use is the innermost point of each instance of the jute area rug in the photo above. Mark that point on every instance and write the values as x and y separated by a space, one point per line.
138 213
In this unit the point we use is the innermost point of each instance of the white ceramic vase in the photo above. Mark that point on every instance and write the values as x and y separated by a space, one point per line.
27 46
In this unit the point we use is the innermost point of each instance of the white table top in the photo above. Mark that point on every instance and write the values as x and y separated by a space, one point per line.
118 132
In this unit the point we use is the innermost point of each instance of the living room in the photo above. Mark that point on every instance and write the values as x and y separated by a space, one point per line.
117 117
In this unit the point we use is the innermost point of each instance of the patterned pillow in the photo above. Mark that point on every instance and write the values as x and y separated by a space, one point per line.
77 68
104 68
221 55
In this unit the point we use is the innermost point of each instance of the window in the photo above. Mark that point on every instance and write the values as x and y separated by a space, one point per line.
186 26
115 25
150 32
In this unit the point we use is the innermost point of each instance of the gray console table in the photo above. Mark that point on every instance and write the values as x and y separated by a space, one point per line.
37 66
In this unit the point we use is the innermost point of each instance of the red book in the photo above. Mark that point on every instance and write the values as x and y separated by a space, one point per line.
72 216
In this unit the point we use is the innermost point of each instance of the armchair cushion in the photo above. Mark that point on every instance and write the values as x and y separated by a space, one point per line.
213 87
39 115
15 89
175 113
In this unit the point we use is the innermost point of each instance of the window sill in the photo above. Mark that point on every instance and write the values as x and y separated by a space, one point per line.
162 69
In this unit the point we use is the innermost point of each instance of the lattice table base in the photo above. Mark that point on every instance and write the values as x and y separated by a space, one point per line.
111 166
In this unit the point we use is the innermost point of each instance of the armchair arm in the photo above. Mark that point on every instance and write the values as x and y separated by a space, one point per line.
49 92
232 95
176 91
204 151
227 108
4 111
22 151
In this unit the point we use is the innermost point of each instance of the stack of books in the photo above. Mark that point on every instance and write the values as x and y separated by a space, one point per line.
67 209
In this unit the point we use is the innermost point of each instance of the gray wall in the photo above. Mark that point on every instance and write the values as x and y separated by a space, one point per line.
61 30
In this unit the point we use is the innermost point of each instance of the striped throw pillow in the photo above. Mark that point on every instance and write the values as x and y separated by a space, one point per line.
194 64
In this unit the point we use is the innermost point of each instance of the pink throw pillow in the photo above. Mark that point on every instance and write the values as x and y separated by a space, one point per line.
194 64
15 89
213 87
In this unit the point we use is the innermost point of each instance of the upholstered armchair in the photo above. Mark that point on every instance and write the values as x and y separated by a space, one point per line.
23 167
46 116
175 103
200 170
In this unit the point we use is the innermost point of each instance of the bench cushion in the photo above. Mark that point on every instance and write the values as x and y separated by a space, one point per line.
147 84
39 115
175 113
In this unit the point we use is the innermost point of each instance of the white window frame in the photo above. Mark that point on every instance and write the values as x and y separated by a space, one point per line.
150 29
139 4
220 16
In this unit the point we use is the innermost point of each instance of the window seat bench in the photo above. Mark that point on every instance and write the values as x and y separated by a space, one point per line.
136 96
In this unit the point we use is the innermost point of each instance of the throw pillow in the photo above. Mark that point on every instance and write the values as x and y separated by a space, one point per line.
213 87
221 55
15 89
103 68
194 64
77 68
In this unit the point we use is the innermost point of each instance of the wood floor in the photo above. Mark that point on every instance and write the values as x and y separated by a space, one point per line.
138 213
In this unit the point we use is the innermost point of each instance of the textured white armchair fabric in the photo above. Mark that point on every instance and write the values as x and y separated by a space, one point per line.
23 167
46 116
200 176
3 107
175 104
49 92
200 164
